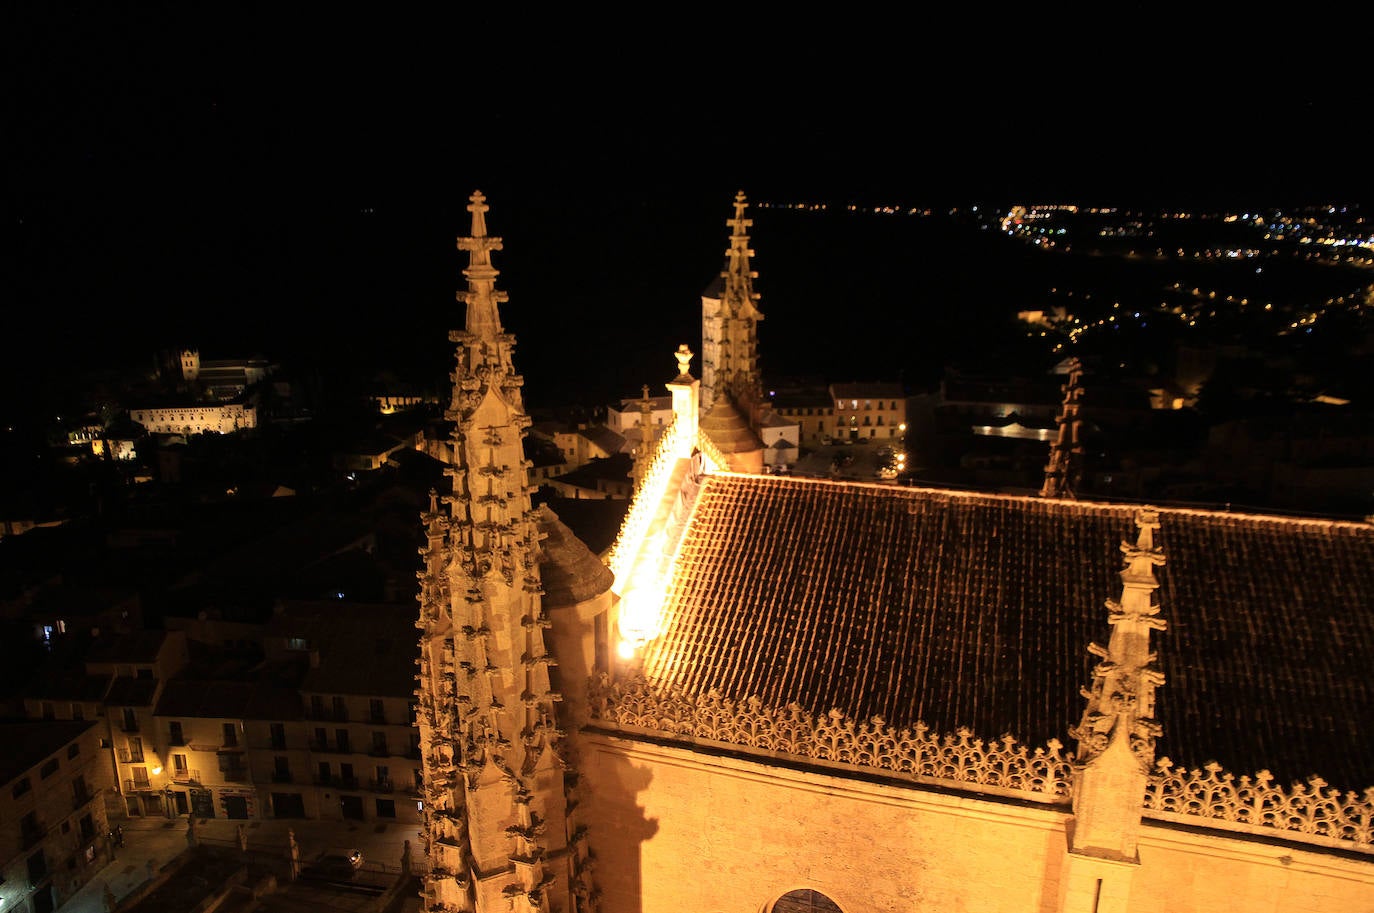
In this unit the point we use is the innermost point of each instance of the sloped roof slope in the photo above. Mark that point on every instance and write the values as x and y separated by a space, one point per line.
965 609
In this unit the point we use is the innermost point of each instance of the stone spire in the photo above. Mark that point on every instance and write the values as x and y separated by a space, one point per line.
1065 464
729 327
1116 736
494 799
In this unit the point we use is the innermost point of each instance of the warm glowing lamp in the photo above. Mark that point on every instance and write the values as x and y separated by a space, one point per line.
157 769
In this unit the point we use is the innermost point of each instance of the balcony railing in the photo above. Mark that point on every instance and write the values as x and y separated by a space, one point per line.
129 726
137 786
185 776
336 782
379 751
327 713
282 776
381 786
325 748
378 718
235 774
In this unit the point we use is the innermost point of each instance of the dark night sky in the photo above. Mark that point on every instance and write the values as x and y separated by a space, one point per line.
282 176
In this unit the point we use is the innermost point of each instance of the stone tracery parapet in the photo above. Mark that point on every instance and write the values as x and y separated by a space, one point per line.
1310 812
917 754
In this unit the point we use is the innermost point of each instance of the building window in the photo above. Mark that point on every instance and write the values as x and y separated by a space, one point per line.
73 750
179 769
806 899
377 714
21 786
48 769
379 743
231 734
278 735
386 808
340 709
130 720
297 643
78 712
341 739
316 706
80 793
48 712
30 831
174 733
38 868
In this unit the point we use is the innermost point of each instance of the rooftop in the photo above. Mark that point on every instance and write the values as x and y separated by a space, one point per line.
965 609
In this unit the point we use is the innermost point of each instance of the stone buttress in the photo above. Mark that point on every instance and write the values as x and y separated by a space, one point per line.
495 807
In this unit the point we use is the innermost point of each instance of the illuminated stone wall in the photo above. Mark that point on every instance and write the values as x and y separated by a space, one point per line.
689 830
695 832
197 419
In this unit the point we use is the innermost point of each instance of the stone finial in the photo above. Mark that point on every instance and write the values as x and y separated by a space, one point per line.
478 207
684 359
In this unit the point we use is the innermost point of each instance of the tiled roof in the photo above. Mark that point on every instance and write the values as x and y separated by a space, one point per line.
139 646
25 744
868 390
127 691
608 439
364 648
67 685
963 609
568 570
228 700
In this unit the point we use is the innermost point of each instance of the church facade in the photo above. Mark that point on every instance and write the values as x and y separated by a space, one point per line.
784 694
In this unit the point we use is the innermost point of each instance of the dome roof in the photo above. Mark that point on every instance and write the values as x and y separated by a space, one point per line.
724 425
569 571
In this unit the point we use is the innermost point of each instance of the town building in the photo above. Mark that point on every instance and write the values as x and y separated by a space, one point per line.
183 418
53 831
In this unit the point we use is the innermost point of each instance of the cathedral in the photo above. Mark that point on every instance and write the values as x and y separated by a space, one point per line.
784 694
